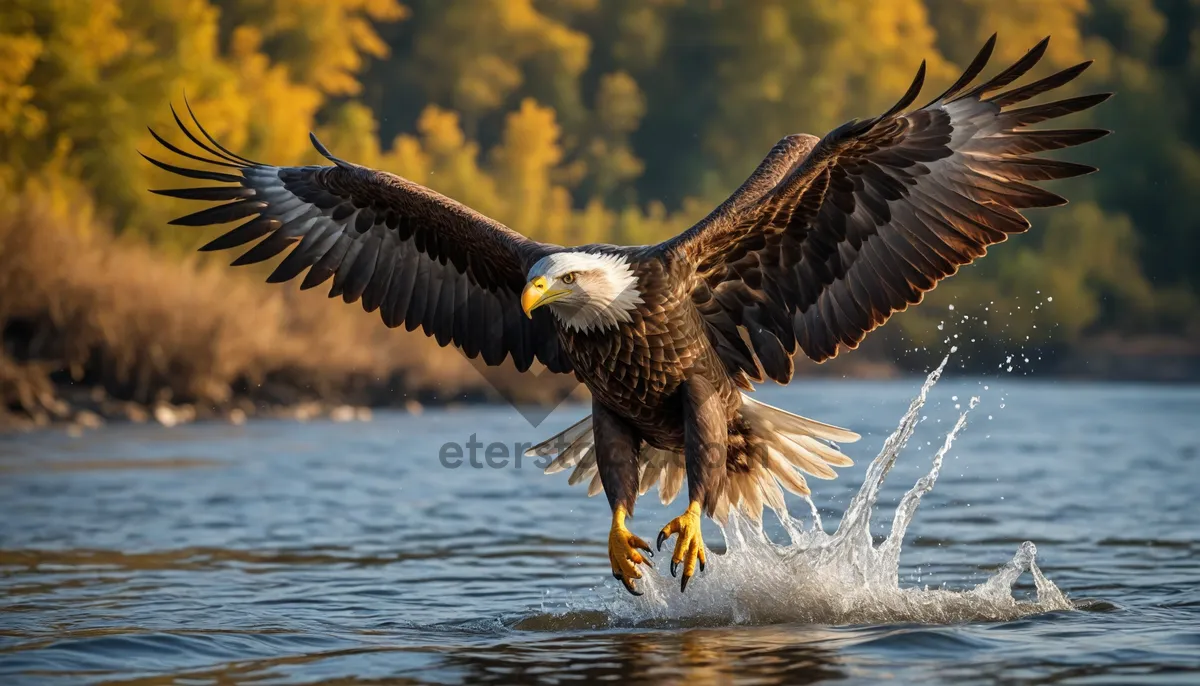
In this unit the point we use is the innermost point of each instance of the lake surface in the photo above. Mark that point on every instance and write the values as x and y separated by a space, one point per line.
347 552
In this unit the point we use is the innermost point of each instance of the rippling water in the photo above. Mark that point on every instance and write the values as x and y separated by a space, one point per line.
280 551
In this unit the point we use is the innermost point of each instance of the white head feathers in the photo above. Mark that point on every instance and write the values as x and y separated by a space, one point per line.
603 288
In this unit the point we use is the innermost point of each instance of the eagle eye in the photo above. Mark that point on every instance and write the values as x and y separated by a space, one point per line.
568 278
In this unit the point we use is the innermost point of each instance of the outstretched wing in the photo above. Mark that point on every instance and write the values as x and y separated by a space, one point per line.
827 239
418 257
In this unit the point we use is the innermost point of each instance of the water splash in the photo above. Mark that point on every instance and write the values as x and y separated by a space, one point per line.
843 578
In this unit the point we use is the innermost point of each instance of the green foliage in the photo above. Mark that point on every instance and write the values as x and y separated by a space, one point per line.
621 121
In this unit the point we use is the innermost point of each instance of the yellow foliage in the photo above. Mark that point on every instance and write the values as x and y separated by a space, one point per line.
522 162
963 25
620 104
323 43
537 113
19 118
473 52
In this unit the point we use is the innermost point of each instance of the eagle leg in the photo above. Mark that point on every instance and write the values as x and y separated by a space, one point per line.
705 436
689 547
623 552
617 449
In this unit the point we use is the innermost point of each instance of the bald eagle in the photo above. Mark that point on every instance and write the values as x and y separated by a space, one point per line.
825 240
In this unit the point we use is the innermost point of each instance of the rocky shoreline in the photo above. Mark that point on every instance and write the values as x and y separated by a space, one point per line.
34 399
78 409
43 395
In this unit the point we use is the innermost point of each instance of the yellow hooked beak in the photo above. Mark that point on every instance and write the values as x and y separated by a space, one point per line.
535 295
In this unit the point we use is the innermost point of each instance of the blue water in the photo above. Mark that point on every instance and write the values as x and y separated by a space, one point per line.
313 552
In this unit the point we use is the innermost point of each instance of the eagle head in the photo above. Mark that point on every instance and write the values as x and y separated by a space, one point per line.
585 291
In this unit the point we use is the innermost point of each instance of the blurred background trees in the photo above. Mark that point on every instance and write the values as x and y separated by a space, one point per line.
584 121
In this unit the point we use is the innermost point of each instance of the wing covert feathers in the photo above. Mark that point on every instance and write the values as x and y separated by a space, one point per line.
876 213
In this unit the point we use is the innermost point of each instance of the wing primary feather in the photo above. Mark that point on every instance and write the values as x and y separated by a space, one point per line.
193 173
252 230
192 137
361 270
907 99
1028 142
977 65
464 310
1040 86
221 214
1034 114
209 193
166 144
423 283
231 155
328 242
343 266
264 250
493 349
385 262
328 264
325 152
388 310
304 254
401 293
1016 71
1040 169
517 333
439 317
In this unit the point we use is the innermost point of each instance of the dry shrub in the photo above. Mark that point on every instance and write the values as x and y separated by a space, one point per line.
75 300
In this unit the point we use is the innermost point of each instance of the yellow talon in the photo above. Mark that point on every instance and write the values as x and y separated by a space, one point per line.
689 547
623 554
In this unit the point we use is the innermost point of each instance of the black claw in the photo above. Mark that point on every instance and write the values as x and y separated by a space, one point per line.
617 576
683 584
674 568
662 538
629 587
701 561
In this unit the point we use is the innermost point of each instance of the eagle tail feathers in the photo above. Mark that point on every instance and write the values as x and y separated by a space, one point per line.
575 448
568 446
770 419
793 446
